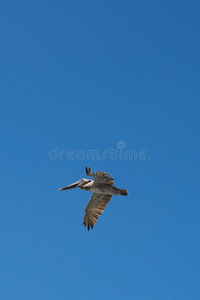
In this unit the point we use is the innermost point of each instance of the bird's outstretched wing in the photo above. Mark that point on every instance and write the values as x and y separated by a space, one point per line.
101 177
95 208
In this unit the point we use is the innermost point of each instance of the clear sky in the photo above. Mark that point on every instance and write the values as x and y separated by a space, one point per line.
109 76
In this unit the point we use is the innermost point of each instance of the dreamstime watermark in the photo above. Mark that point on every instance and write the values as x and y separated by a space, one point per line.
111 153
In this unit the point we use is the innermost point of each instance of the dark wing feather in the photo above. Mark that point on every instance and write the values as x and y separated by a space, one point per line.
95 208
100 176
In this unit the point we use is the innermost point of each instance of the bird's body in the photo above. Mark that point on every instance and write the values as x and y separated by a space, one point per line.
103 189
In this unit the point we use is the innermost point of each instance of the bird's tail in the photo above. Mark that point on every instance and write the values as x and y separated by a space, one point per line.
123 192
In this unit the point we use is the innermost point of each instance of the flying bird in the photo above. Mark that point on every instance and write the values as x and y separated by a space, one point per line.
103 189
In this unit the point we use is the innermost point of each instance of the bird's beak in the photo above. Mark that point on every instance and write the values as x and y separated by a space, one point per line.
71 186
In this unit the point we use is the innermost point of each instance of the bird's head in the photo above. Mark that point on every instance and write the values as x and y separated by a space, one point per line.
74 185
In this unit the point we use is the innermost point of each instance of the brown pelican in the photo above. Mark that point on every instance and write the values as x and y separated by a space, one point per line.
103 188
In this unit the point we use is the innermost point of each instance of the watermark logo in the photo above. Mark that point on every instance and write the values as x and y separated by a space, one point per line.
112 153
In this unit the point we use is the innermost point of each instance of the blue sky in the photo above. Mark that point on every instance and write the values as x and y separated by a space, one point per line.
99 75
